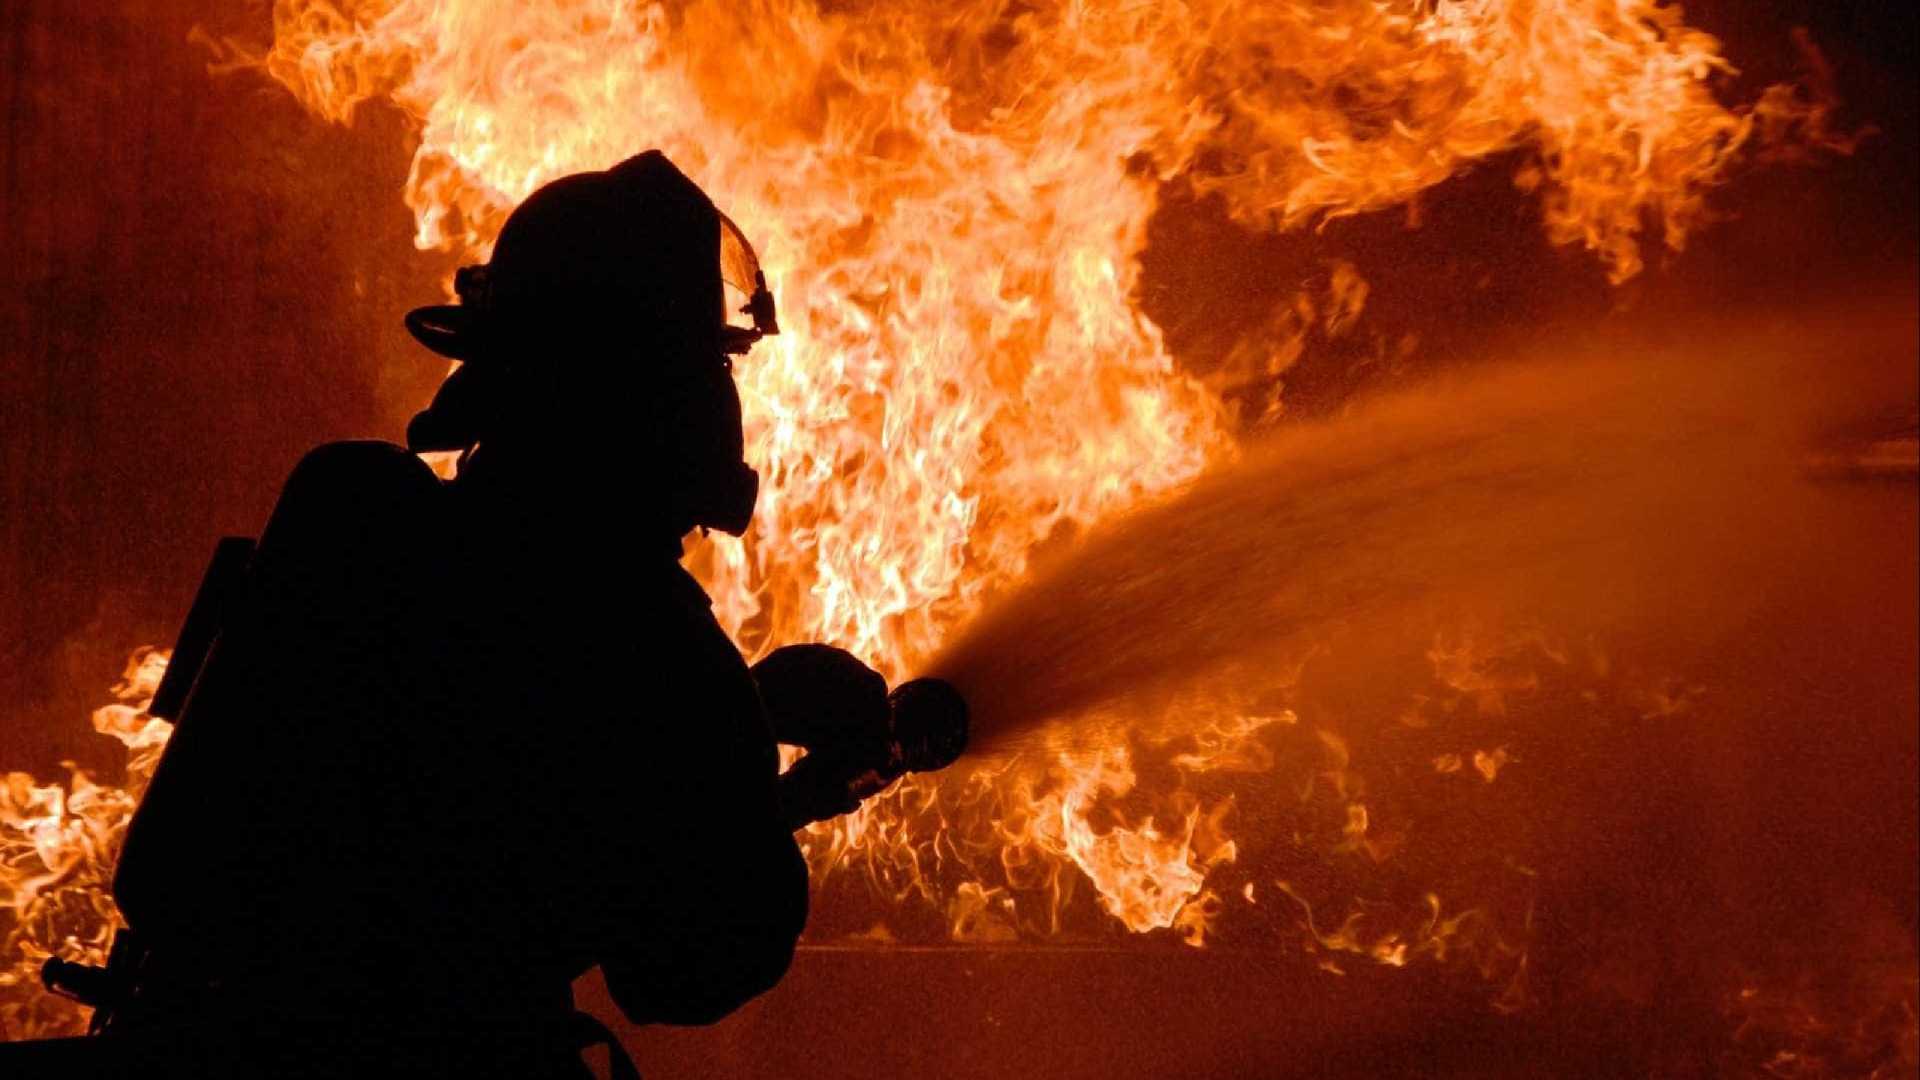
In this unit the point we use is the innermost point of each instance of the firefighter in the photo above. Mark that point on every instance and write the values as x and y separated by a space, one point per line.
462 741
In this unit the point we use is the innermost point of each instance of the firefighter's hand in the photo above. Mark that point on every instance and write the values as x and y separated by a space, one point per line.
823 699
821 786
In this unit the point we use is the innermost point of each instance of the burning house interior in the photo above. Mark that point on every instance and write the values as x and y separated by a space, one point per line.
1420 498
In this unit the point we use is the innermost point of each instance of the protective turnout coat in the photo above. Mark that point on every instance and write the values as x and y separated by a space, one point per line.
458 744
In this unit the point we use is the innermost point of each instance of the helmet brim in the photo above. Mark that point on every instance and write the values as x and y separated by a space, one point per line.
447 329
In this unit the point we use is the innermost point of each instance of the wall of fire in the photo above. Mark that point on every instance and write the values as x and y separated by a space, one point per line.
198 281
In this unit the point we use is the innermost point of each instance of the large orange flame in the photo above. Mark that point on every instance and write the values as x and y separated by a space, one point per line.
951 202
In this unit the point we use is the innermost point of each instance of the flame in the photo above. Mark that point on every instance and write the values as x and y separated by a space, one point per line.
58 848
951 201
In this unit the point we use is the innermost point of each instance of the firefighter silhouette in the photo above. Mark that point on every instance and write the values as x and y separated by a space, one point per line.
455 743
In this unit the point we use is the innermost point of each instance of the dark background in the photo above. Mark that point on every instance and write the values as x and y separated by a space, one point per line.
198 283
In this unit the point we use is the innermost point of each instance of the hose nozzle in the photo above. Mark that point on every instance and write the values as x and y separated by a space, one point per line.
929 723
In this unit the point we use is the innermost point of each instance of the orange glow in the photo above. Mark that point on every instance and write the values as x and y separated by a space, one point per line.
950 201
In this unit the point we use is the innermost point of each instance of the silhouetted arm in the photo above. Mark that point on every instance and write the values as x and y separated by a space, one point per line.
721 891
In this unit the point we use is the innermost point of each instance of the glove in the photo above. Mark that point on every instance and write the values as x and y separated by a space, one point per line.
822 698
827 702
